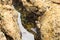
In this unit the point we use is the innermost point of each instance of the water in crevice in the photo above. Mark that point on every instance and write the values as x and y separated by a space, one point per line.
25 34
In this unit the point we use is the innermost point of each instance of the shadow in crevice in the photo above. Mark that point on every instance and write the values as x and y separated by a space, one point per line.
30 17
8 37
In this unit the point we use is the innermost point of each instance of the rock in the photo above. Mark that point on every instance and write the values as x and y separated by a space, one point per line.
7 2
43 15
8 21
50 23
2 36
56 1
30 11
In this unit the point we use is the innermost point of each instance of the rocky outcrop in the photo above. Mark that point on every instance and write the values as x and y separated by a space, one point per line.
31 11
56 1
2 36
8 21
50 23
42 15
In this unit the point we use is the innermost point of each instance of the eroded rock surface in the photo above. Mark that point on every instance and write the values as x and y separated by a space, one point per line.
44 15
8 21
2 36
50 23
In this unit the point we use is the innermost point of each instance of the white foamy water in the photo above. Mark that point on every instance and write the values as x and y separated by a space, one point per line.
25 34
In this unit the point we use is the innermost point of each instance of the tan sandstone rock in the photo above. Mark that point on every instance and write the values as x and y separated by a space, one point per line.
56 1
2 36
50 23
8 21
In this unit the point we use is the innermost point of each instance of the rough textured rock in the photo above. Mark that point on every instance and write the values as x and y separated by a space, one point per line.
6 2
44 15
56 1
50 23
8 21
2 36
31 10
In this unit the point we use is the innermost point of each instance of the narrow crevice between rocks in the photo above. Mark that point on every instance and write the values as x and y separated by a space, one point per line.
29 17
8 37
